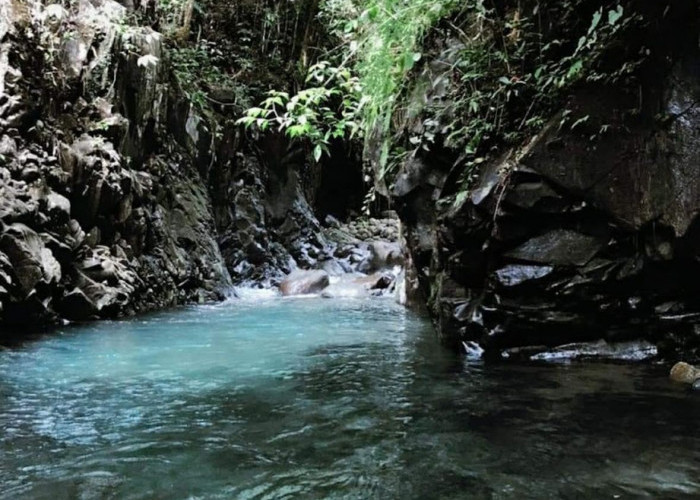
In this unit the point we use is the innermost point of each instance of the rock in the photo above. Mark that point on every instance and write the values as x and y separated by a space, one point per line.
531 194
332 222
136 200
684 373
621 351
516 274
77 306
385 255
560 247
304 282
376 281
31 261
8 147
333 267
569 229
58 207
416 172
472 350
93 237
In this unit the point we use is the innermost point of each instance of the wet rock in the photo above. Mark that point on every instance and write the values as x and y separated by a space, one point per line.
347 288
332 222
414 174
58 207
559 248
8 147
684 373
385 254
77 306
333 267
304 282
563 234
620 351
472 350
516 274
532 195
376 281
84 168
31 261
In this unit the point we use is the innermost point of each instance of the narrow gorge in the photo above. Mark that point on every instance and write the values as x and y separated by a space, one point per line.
349 248
129 186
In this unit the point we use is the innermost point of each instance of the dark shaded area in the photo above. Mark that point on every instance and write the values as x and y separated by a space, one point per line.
579 234
341 189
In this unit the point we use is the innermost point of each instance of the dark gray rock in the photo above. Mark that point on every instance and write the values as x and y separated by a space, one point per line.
559 247
31 261
516 274
77 306
94 222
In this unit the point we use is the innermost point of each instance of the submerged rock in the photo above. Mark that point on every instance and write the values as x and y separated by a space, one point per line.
620 351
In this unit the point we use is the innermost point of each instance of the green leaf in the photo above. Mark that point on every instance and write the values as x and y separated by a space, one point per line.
318 151
615 15
580 121
596 20
575 69
255 112
384 154
408 61
370 14
581 42
246 121
295 131
273 100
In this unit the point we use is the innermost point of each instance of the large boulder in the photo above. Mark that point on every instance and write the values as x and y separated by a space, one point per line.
304 282
385 254
32 262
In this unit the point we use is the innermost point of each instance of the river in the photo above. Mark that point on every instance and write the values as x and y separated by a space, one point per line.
267 398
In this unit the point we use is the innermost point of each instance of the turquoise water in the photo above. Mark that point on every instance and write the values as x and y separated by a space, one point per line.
309 398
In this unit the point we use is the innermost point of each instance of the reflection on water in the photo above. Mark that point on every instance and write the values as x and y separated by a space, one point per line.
285 398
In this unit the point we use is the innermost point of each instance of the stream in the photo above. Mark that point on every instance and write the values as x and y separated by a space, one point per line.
263 397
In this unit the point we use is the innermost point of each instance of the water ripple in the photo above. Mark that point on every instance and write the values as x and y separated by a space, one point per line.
264 397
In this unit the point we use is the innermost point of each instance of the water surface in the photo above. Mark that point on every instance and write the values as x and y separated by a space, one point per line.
312 398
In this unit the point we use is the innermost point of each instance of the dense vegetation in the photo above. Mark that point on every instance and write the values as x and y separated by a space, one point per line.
487 73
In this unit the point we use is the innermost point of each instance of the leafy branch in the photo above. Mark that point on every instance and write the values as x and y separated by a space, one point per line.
317 114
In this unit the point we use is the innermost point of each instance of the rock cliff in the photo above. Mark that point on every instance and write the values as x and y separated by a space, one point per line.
125 189
578 233
102 213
